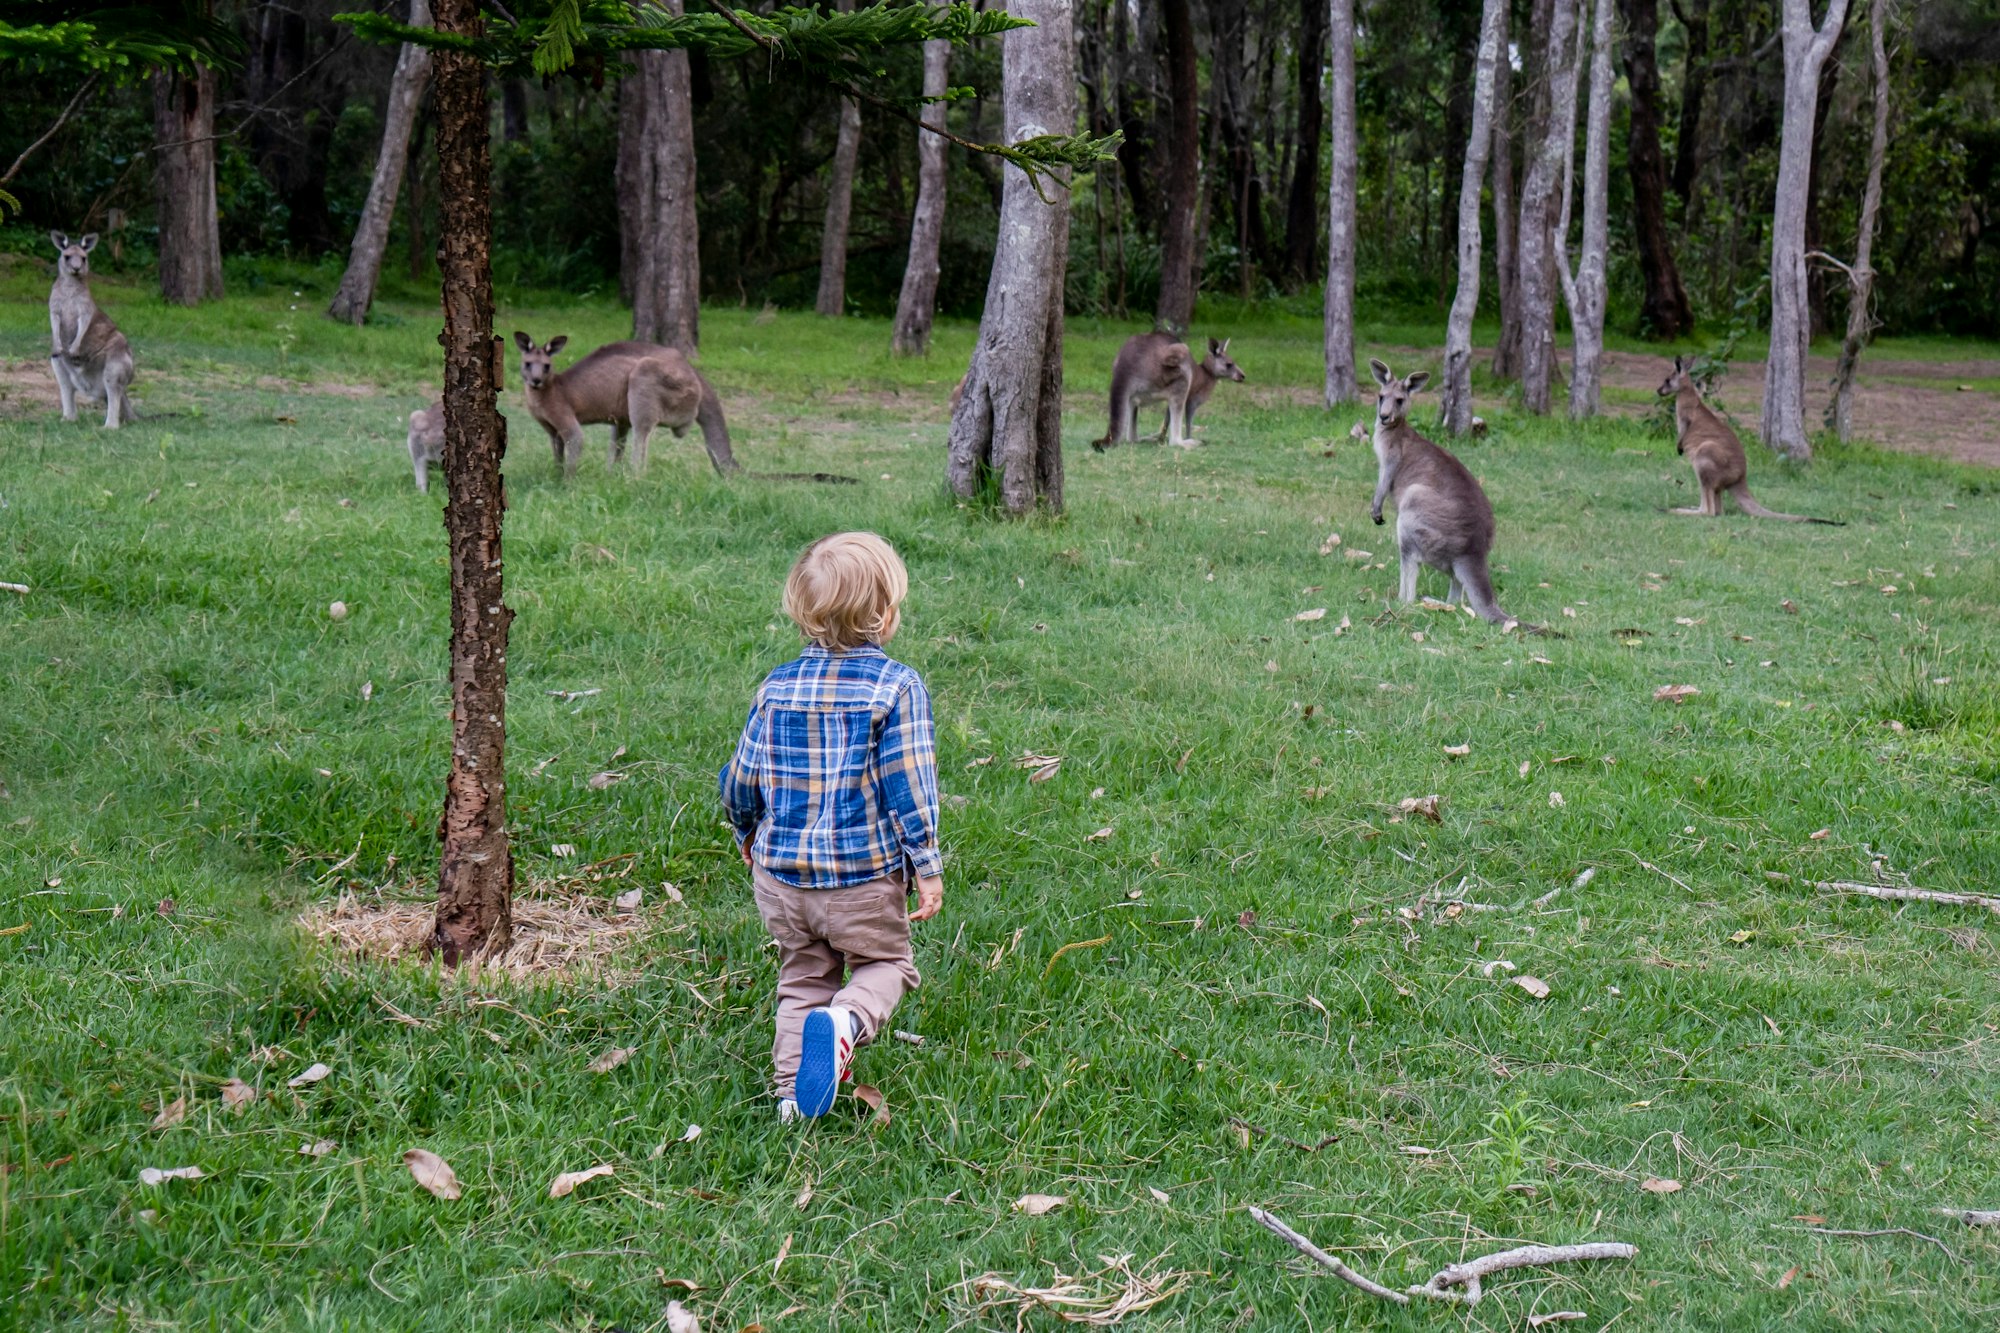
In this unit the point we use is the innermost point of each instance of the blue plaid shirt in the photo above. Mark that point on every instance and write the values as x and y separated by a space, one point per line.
835 776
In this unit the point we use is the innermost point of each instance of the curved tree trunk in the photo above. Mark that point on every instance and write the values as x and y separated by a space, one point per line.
1665 311
184 182
918 304
1584 288
1342 386
666 283
1783 421
476 871
364 261
1009 417
1457 388
1506 210
1302 208
1861 278
839 204
1538 211
1182 187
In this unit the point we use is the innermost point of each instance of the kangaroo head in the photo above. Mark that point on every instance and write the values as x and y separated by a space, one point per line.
1677 378
1392 396
538 363
1218 364
73 257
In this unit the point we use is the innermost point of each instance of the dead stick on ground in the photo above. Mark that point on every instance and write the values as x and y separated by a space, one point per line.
21 588
1886 1231
1323 1259
1976 1217
1892 893
1656 870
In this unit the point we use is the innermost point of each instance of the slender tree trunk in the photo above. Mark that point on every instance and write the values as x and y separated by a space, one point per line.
1817 280
918 303
839 204
1783 421
513 108
1465 39
476 873
1182 188
1342 386
666 292
1861 278
1665 311
371 238
1584 288
184 183
1506 210
414 211
1539 202
1302 208
632 181
1009 418
1457 389
1694 90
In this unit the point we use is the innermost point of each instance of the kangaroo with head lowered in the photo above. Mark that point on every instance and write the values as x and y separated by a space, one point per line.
633 386
1443 518
90 357
1706 441
1158 367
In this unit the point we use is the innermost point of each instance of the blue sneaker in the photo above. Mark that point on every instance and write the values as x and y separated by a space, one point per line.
827 1049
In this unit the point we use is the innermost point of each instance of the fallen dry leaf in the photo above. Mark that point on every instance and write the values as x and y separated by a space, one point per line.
1457 751
1317 613
1526 768
680 1319
1044 773
565 1184
691 1133
871 1096
805 1195
1657 1185
1556 801
563 850
629 901
1790 1276
1810 1219
1096 793
1674 694
1160 1196
1271 666
1102 835
611 1059
1034 1205
432 1172
236 1094
317 1148
1532 984
1414 1151
310 1076
171 1114
1556 1317
1822 835
1427 806
1743 937
1332 540
784 1250
153 1175
670 893
367 690
599 781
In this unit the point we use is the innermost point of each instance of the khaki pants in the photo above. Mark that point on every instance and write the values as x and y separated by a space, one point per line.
822 934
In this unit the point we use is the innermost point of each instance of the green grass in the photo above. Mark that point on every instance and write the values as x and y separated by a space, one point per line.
182 720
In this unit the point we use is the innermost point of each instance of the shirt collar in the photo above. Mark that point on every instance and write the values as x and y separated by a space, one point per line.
821 650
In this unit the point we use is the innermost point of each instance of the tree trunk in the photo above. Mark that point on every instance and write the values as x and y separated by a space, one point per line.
1817 279
1665 311
1694 87
1584 288
476 873
184 180
1861 278
1302 208
631 181
839 204
1182 188
364 261
1342 386
1457 388
1783 421
415 212
1539 202
918 303
1464 41
1009 418
666 287
1506 210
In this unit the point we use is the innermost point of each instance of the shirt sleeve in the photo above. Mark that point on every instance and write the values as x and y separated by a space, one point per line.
742 795
908 753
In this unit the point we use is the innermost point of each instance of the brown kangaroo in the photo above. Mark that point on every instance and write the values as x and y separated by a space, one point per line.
90 357
1707 442
426 441
633 386
1158 367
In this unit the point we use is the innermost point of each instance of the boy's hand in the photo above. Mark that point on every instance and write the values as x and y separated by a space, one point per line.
930 897
743 850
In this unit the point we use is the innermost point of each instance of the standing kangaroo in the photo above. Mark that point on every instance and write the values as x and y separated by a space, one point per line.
90 357
631 385
1156 367
426 442
1707 442
1443 519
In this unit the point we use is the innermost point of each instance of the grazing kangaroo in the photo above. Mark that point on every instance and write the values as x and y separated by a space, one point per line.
90 357
426 442
1158 367
1443 519
1707 442
631 385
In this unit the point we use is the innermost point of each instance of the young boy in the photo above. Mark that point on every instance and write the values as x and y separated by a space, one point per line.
833 795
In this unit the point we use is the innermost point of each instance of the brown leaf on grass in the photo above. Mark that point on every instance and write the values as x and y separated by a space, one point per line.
433 1173
981 763
1457 751
1246 918
871 1096
1674 694
1658 1185
628 902
165 907
1034 1205
236 1094
171 1114
1427 806
680 1319
153 1175
1033 760
1822 835
1810 1219
1317 613
1160 1196
1556 1317
784 1252
310 1076
599 781
1046 772
1790 1276
1102 835
805 1195
1532 984
317 1148
611 1059
565 1184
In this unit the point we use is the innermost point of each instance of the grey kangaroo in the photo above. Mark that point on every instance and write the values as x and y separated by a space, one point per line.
90 357
1443 519
631 385
1158 367
426 442
1707 442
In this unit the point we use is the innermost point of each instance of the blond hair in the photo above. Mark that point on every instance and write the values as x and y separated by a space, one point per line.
845 590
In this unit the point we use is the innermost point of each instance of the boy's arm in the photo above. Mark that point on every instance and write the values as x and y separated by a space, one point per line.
908 753
742 797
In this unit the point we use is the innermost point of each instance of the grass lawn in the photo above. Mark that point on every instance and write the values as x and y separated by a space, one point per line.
1269 939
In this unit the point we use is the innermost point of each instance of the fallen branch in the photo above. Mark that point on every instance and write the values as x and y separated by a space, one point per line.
1323 1259
1893 893
1975 1217
21 588
1886 1231
1656 870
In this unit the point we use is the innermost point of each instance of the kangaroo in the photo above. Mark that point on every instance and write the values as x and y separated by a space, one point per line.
1156 367
1443 518
426 442
633 386
1707 442
90 357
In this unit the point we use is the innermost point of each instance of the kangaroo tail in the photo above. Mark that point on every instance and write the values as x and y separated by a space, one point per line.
1748 504
1470 571
714 430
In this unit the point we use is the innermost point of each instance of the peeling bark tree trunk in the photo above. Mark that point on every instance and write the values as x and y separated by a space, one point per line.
918 304
476 873
1342 386
1665 311
1584 288
839 203
371 238
1783 422
1182 188
1009 418
1538 212
184 181
1302 208
1506 211
666 281
1861 278
1457 388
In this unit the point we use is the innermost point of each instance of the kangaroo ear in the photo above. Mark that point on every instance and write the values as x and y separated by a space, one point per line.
1225 344
1215 348
1417 381
58 240
523 341
89 242
557 343
1383 375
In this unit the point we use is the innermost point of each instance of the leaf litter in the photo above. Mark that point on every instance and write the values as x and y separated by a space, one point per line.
1099 1298
433 1173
